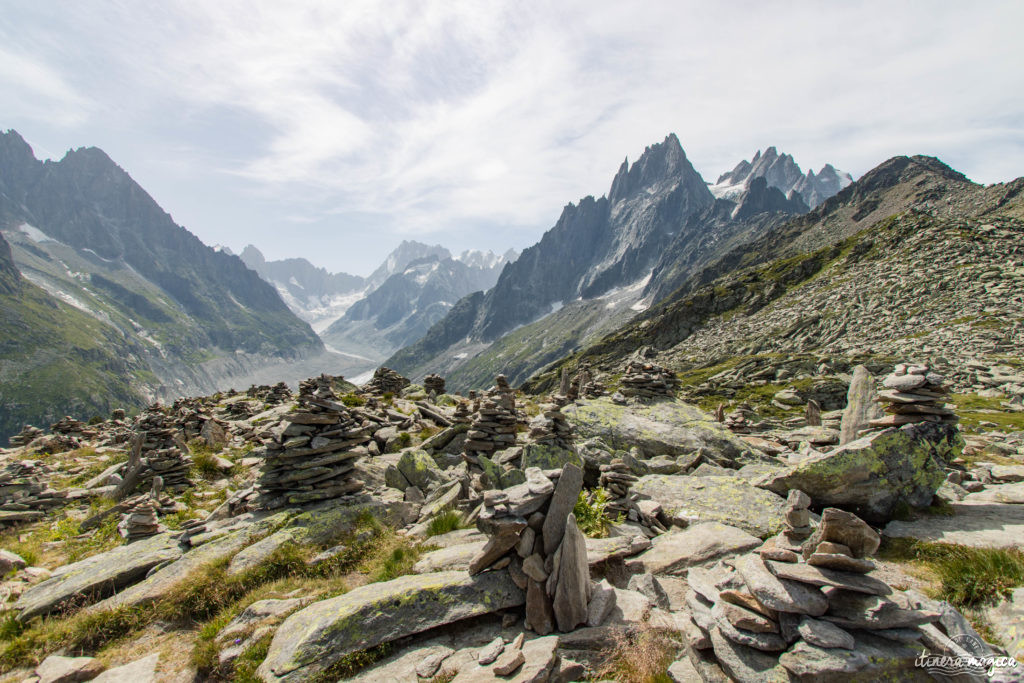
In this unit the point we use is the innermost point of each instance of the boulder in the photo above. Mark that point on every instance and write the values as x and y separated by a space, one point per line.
140 671
676 551
981 525
549 457
97 576
728 500
456 557
667 427
1007 621
420 470
58 669
876 475
312 639
572 589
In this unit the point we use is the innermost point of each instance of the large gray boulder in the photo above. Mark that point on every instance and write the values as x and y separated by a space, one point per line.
660 428
876 475
97 576
728 500
314 638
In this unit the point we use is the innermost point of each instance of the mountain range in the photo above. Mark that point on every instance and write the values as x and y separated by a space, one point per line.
603 261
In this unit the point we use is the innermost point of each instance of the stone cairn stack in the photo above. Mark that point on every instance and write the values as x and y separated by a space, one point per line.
913 393
494 426
551 428
647 380
27 435
807 611
163 454
189 415
278 394
24 495
738 421
386 381
798 515
462 413
140 521
618 479
239 410
433 384
532 534
314 456
70 427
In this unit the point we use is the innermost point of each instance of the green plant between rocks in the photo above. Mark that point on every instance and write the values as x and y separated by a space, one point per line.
591 516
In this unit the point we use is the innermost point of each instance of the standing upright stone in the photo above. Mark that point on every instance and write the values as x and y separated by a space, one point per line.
567 490
813 414
861 405
572 590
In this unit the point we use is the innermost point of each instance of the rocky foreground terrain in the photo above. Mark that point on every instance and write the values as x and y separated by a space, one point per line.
819 521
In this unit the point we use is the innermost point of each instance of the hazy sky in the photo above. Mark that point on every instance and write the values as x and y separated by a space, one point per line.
333 130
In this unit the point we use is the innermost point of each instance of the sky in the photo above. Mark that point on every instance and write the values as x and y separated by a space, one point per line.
334 130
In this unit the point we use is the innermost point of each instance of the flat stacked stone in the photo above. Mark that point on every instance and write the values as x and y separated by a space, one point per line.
812 610
738 421
550 427
385 381
647 380
27 435
239 410
798 514
313 456
278 394
433 384
913 393
163 453
533 535
618 479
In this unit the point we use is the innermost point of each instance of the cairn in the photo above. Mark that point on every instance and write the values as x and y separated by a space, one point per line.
239 410
533 535
647 380
550 427
70 427
811 610
139 522
278 394
493 428
386 381
313 457
27 435
24 495
913 393
617 479
738 421
163 453
798 516
433 384
505 393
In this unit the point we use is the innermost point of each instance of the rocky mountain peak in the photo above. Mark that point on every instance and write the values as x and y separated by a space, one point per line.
251 255
781 171
399 259
660 164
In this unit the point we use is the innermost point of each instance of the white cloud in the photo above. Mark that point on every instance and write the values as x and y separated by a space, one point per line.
417 116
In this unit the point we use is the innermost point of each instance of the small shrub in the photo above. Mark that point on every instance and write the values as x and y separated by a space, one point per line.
449 520
590 513
95 420
353 400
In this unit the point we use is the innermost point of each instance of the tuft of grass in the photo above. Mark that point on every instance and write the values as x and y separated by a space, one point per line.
447 521
244 670
404 439
352 400
353 663
641 655
968 578
445 676
204 462
590 513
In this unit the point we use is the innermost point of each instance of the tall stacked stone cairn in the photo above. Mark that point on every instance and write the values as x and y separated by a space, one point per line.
278 394
433 384
385 381
313 457
618 479
532 534
494 424
792 611
550 427
239 410
140 516
738 420
70 427
27 435
163 452
647 380
913 393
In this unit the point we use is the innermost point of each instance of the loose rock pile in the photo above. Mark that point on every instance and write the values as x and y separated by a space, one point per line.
809 609
386 381
647 380
433 384
532 534
550 427
27 435
913 394
313 456
163 454
69 426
